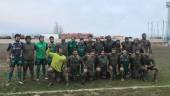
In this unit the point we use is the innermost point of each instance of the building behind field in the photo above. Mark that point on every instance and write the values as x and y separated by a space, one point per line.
46 36
76 35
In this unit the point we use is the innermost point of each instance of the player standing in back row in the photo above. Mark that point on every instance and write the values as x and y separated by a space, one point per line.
41 48
53 49
72 45
14 58
90 44
28 57
108 45
145 44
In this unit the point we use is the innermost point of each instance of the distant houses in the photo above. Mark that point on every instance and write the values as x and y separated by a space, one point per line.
76 35
5 37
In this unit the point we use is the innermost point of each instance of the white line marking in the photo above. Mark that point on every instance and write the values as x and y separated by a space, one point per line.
80 90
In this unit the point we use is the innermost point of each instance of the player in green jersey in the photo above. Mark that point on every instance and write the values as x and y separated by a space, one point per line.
41 48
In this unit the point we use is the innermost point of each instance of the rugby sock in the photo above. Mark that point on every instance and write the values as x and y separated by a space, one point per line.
24 73
32 74
44 70
38 71
19 75
155 74
10 75
31 69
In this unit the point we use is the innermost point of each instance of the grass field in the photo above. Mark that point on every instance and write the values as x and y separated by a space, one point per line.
161 55
128 92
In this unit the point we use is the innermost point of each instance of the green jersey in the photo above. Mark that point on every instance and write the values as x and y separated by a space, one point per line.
98 46
89 62
53 48
63 46
89 46
81 48
103 61
41 48
71 46
76 65
124 60
137 60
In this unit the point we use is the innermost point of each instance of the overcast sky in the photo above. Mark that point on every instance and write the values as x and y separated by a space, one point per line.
101 17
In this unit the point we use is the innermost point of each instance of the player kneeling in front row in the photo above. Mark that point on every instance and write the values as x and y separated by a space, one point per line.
113 63
89 68
124 65
102 65
56 69
149 65
74 67
138 68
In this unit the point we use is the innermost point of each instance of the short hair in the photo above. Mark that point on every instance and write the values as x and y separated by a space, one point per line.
126 37
97 38
27 37
81 38
108 37
17 35
51 37
90 36
63 40
117 40
41 36
143 33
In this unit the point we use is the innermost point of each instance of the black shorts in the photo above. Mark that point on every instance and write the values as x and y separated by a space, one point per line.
40 62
